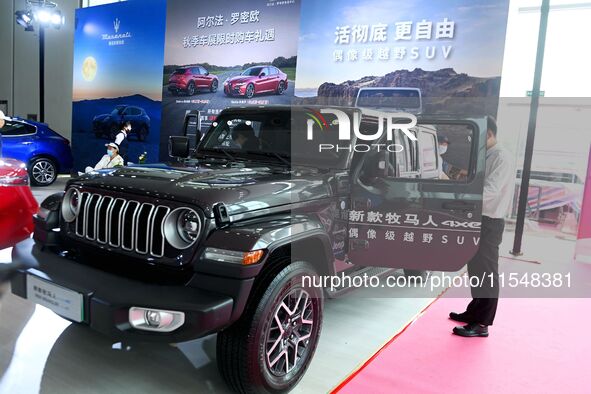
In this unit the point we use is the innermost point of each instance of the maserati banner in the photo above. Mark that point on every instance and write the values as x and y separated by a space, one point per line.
118 51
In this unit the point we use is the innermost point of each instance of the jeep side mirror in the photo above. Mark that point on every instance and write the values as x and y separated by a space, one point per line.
178 147
207 73
262 75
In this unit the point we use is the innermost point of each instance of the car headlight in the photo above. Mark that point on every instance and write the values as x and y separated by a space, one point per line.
182 228
71 205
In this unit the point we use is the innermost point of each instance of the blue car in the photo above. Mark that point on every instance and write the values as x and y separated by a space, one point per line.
45 152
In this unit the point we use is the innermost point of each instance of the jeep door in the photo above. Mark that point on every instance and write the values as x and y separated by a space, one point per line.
406 211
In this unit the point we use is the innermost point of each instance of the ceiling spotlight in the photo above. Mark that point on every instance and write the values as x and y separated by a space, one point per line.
57 19
43 12
24 19
42 16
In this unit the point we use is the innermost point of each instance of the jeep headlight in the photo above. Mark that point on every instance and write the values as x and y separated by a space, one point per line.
182 228
71 205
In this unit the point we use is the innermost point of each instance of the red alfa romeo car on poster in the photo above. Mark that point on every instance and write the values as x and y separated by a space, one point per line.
190 79
256 80
17 204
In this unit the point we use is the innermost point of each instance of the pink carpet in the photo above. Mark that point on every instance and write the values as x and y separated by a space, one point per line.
536 345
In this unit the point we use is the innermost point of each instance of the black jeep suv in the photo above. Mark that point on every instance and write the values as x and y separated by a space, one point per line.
234 237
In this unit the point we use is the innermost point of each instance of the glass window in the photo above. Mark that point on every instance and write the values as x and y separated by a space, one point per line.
252 71
406 158
428 148
133 111
393 98
13 129
419 159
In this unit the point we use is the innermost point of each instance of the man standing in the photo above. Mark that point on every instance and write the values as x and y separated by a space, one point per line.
498 188
121 139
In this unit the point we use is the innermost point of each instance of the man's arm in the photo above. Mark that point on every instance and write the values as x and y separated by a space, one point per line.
500 174
119 138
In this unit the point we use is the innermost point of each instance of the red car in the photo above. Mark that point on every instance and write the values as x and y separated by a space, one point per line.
190 79
17 204
256 80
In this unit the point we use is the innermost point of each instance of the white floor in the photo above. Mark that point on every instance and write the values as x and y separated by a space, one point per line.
43 353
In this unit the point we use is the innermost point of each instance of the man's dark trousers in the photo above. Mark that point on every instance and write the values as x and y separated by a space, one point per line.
485 264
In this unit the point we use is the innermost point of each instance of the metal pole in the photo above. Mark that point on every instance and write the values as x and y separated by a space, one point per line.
531 130
41 74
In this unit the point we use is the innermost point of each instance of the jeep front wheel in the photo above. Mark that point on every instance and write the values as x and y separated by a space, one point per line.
270 347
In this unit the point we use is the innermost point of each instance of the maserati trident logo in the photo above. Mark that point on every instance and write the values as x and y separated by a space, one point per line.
116 38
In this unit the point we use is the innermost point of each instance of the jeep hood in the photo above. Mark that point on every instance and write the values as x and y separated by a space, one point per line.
240 189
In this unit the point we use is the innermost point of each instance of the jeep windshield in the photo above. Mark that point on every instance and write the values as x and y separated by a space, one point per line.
389 98
277 135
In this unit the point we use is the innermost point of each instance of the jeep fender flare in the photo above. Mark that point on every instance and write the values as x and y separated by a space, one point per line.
303 236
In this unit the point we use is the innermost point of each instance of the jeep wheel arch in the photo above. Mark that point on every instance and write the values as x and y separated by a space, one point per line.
301 236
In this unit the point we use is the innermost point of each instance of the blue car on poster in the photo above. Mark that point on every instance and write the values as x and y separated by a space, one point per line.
45 152
110 124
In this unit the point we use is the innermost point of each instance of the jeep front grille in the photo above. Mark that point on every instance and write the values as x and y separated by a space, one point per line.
126 224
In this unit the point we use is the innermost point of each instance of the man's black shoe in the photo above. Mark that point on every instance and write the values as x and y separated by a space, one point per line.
471 330
461 317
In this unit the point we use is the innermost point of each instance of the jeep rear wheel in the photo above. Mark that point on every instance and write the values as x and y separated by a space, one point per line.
270 347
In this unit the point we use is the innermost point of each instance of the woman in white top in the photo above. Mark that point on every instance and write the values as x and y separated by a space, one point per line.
110 160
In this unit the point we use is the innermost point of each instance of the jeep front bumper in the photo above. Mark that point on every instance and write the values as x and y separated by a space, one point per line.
107 298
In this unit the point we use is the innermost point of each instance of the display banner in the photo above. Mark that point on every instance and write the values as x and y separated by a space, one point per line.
394 59
118 57
226 53
447 54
